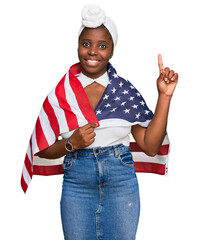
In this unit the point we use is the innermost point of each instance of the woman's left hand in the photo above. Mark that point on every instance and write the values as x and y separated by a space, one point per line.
167 80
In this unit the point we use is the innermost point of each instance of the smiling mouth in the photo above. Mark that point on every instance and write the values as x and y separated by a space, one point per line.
92 62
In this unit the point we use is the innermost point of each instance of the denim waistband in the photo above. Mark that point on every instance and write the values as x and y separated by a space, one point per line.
114 149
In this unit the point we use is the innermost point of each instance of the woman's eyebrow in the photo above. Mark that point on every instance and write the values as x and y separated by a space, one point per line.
85 39
103 41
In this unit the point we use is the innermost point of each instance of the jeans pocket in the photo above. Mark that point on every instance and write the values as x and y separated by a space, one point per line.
68 162
125 157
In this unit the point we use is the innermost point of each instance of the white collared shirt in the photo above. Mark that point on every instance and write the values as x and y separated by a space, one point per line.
114 135
85 81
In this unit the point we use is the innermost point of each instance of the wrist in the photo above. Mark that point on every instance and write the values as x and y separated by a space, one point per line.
68 145
164 96
72 142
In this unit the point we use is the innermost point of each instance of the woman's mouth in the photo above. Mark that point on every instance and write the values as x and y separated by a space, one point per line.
92 63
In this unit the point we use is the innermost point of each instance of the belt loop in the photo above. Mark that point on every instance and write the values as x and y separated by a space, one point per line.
75 155
116 151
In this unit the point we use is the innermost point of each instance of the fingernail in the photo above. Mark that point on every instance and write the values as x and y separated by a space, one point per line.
166 79
172 78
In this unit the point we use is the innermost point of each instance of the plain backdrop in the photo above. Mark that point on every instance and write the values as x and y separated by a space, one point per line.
38 44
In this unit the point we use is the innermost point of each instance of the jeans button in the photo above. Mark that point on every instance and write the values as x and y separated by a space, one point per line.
97 151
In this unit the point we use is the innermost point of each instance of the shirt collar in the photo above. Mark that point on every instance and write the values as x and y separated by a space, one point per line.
85 81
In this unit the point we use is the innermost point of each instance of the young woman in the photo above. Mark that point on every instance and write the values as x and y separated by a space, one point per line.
100 195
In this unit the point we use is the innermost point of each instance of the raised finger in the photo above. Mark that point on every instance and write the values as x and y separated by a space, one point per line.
160 63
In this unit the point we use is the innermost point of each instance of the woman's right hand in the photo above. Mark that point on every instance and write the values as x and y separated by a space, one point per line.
83 136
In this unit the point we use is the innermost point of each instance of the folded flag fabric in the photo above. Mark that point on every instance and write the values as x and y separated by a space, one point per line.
67 108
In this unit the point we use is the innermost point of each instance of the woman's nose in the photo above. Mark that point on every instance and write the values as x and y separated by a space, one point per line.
93 51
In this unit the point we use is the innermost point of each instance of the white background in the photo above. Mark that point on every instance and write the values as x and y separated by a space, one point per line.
38 44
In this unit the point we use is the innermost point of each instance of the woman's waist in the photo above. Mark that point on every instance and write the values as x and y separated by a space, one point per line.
114 149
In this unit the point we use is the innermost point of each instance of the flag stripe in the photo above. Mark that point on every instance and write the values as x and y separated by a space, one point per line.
47 162
24 185
164 149
139 167
142 157
28 165
150 168
51 116
34 147
48 170
59 112
118 122
84 106
29 150
61 97
46 127
27 178
73 102
41 138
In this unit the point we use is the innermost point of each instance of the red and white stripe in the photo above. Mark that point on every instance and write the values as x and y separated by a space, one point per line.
65 108
146 164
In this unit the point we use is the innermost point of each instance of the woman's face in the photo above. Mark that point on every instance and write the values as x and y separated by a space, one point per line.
94 51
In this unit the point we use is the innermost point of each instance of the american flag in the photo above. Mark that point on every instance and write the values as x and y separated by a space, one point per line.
67 108
122 103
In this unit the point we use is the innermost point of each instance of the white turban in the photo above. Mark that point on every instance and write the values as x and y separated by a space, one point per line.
93 16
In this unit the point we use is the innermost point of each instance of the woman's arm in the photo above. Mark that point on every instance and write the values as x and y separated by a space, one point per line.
150 139
56 150
81 138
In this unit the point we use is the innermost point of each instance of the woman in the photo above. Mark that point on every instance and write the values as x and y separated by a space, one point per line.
100 195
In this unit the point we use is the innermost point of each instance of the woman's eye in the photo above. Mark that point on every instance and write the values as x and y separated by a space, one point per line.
102 46
86 44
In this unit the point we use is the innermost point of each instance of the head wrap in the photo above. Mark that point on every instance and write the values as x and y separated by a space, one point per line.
93 16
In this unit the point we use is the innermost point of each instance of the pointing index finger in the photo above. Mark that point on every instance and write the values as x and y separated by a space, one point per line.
160 63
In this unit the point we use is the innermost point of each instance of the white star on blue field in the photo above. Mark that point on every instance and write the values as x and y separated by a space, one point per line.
122 100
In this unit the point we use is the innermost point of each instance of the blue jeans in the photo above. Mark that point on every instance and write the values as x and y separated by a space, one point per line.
100 195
